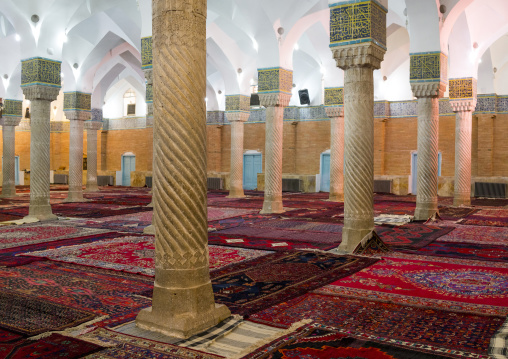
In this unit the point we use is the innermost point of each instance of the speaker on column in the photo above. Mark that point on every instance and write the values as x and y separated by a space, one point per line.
304 97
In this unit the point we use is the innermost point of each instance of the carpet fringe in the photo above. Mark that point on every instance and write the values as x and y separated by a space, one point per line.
270 339
68 332
206 345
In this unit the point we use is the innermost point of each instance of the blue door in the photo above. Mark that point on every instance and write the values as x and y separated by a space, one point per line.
16 170
252 165
128 165
325 172
414 181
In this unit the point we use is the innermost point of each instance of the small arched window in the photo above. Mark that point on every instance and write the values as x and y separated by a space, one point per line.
129 103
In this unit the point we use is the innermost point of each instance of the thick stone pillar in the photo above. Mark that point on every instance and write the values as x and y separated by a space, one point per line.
11 117
333 99
463 102
358 57
237 112
40 81
91 128
183 302
77 108
428 71
274 86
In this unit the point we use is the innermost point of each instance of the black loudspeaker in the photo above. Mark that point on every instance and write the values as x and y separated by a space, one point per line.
304 97
254 99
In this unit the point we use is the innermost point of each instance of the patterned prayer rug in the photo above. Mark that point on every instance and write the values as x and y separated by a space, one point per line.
215 214
9 337
300 226
374 246
82 210
126 346
484 221
238 221
317 341
461 283
284 234
421 326
8 217
321 215
106 293
489 202
136 255
54 346
499 343
13 236
414 235
30 316
248 202
118 225
497 212
394 207
455 213
250 286
265 244
471 251
479 234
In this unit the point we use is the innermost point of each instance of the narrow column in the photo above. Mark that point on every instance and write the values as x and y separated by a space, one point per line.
336 114
463 102
358 57
77 108
237 112
275 86
183 302
427 72
91 128
11 117
40 81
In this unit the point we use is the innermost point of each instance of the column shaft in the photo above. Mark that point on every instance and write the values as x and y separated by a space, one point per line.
463 129
427 162
359 156
273 160
236 170
183 302
91 155
337 159
76 162
9 165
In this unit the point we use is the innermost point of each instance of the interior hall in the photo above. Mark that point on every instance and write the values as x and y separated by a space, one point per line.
205 179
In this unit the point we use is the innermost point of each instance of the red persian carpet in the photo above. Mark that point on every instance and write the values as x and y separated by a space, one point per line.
412 235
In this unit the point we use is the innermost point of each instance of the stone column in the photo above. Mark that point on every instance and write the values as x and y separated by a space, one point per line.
91 128
427 71
237 112
11 117
40 81
463 102
275 86
358 56
183 302
336 114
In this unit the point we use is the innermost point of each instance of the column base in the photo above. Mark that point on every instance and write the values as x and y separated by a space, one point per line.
351 238
75 197
149 230
461 201
336 197
150 205
91 188
424 213
7 193
172 320
272 207
40 214
236 194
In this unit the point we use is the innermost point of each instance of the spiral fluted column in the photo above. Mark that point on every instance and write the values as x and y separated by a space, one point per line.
41 98
91 128
77 119
9 156
237 120
183 302
336 115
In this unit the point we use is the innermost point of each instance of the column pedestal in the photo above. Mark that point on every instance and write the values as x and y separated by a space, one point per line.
41 98
77 119
237 120
336 115
9 156
91 128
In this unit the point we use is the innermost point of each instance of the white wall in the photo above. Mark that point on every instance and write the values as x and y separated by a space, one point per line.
114 106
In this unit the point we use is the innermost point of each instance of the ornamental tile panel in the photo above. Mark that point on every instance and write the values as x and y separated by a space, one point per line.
381 109
291 113
149 93
215 117
486 103
428 67
77 101
356 22
275 79
502 104
445 108
235 103
403 109
146 53
40 71
334 96
12 108
257 115
462 88
97 114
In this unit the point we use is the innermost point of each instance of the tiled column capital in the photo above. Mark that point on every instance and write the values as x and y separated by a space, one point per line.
428 74
275 86
77 105
12 112
237 116
463 94
279 99
40 78
334 111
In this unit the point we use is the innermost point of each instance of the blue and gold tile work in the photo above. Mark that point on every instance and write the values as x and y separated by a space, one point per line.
77 101
445 109
428 67
149 93
462 88
12 108
97 114
275 79
40 71
402 109
357 21
237 103
486 103
215 117
334 96
502 104
381 109
146 53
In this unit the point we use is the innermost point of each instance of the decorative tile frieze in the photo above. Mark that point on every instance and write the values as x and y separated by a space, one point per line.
77 101
40 71
486 103
12 108
334 96
402 109
215 117
97 114
146 53
428 67
502 104
275 79
357 21
237 103
381 109
149 93
462 88
292 113
445 109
